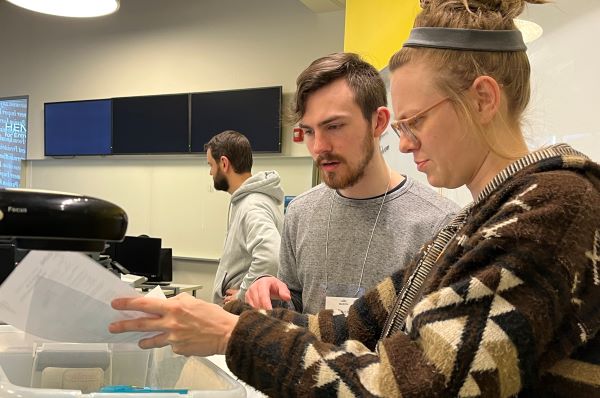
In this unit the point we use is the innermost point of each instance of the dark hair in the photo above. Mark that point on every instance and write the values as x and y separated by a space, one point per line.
362 78
235 147
456 70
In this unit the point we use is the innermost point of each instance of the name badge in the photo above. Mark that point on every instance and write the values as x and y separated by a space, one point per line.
339 303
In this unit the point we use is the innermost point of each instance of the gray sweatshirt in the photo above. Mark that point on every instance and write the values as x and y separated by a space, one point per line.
253 234
410 217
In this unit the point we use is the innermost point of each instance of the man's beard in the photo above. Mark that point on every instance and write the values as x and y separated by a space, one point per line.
340 179
220 182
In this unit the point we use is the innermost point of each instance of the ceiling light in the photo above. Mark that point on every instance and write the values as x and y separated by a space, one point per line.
530 30
70 8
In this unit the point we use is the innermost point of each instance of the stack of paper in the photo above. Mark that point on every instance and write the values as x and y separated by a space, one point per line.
65 296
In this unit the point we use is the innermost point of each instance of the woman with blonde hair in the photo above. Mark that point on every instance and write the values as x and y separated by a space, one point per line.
505 301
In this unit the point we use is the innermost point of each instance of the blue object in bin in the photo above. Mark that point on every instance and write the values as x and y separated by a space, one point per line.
140 390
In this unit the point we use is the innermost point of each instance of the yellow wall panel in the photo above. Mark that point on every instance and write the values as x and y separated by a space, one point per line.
376 29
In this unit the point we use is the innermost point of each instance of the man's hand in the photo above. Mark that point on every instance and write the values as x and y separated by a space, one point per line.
230 295
264 289
191 326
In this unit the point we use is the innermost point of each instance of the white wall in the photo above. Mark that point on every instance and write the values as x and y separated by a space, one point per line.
565 80
172 198
196 272
157 47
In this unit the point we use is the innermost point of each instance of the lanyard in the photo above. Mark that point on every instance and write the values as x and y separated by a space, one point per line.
362 271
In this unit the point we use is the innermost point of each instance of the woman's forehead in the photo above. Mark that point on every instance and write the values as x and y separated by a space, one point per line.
412 82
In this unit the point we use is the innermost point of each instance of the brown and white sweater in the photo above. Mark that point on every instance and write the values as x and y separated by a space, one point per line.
504 301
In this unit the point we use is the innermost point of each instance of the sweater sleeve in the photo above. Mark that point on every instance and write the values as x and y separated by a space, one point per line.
490 321
294 333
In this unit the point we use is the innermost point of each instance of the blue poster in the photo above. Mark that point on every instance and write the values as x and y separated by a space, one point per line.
13 140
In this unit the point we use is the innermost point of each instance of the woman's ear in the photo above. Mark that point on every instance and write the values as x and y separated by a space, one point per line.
487 96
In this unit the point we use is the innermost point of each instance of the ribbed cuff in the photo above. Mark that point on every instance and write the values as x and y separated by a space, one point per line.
237 307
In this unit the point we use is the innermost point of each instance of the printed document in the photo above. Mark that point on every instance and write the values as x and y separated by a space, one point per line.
65 296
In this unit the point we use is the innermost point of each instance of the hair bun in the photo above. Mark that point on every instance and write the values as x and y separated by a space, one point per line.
507 8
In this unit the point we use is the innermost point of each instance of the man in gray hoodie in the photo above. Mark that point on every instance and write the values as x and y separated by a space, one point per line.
255 216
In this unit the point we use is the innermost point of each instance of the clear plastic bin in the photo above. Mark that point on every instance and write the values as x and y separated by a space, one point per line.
31 368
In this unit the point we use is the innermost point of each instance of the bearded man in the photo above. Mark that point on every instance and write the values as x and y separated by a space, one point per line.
255 216
366 221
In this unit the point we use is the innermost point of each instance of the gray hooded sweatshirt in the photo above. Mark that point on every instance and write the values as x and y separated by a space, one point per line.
253 235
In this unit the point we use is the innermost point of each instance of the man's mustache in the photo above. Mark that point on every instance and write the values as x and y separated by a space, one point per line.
328 158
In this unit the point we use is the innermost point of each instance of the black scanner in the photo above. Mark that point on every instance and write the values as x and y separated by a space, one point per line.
45 220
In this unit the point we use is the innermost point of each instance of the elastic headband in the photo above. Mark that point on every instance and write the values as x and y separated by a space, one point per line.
466 39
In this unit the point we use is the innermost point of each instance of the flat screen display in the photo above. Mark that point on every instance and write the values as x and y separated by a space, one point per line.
151 124
140 255
13 140
77 128
255 112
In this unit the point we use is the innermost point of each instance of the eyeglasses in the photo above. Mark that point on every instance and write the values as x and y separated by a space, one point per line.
406 126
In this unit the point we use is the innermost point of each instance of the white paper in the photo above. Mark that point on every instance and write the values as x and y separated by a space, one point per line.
65 296
157 292
339 303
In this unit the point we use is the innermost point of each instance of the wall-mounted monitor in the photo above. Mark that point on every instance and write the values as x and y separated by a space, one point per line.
13 139
77 128
255 112
151 124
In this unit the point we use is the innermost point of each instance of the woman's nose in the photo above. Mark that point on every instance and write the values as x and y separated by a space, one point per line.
407 144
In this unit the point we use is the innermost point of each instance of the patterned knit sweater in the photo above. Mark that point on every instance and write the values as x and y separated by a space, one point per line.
505 301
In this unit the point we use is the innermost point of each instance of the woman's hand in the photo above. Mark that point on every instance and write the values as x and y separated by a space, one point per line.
191 326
